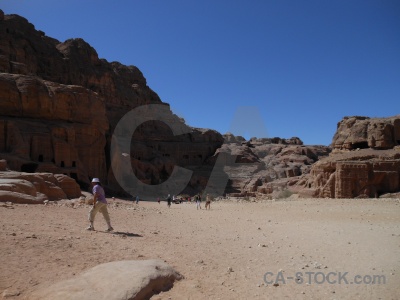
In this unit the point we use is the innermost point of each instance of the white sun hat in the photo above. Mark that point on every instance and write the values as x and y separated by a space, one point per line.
95 180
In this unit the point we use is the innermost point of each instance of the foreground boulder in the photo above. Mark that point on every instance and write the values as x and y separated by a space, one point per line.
114 281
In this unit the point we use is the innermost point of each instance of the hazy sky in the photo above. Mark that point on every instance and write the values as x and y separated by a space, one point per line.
256 68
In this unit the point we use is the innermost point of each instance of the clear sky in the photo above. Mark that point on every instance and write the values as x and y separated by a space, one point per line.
288 67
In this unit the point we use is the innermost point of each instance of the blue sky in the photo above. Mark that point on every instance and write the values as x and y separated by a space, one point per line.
288 67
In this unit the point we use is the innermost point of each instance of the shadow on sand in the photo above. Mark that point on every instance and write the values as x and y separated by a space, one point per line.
126 234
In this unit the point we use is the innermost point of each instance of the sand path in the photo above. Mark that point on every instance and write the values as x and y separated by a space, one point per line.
223 253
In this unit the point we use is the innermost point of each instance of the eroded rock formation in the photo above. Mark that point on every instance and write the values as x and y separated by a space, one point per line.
365 162
363 132
265 165
35 188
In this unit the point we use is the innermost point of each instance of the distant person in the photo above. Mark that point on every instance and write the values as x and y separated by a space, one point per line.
137 199
158 200
99 205
198 201
208 202
169 200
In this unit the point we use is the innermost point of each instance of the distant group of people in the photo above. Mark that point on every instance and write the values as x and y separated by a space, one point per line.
198 201
197 198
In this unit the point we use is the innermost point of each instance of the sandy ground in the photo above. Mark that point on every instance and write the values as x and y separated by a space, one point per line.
223 253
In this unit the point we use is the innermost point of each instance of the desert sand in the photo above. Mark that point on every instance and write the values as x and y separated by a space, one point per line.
223 253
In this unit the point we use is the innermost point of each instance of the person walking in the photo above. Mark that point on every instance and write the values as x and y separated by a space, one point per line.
99 205
137 199
208 202
169 200
198 201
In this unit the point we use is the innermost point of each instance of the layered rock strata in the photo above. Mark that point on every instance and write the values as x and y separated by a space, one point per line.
35 188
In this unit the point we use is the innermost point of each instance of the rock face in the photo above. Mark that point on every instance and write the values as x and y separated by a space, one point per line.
266 165
364 132
60 104
118 280
365 162
47 127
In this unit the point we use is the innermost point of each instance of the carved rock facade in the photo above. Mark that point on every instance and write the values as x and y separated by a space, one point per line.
365 162
47 127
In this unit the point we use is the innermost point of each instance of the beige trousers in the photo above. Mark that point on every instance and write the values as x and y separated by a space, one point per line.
99 207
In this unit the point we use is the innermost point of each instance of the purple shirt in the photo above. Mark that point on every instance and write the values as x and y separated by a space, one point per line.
97 189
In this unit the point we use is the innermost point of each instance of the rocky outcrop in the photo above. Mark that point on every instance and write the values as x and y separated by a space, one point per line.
363 132
68 185
114 281
34 188
365 162
266 165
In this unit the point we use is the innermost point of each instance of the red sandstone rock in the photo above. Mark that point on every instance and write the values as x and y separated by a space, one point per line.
52 130
358 167
364 173
34 188
364 132
265 165
68 185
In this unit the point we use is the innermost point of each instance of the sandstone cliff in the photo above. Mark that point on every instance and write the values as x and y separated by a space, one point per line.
60 104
